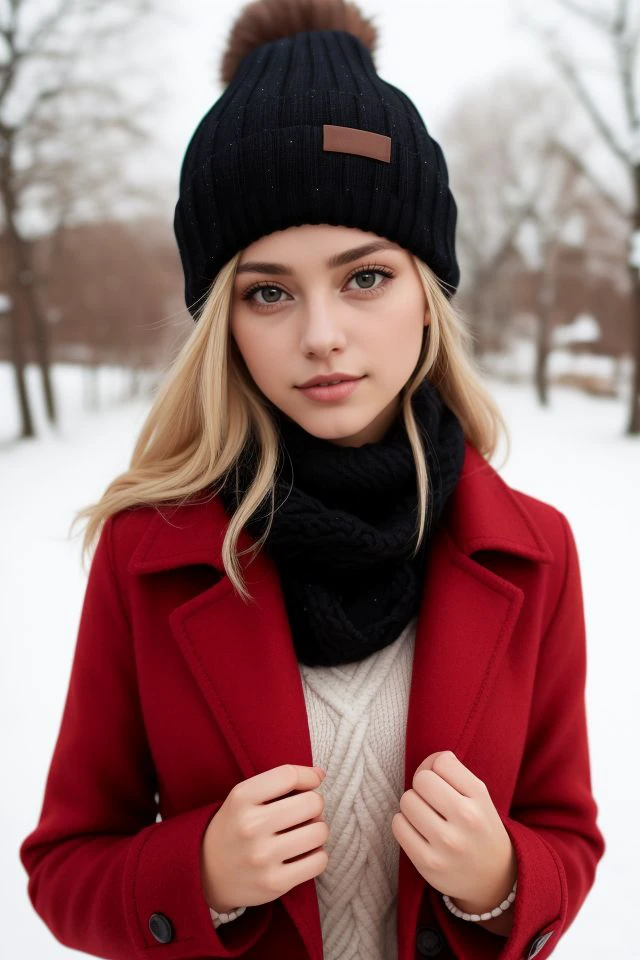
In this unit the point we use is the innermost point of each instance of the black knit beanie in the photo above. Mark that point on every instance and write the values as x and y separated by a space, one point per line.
307 132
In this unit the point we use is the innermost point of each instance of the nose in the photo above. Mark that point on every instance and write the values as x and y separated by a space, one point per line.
322 329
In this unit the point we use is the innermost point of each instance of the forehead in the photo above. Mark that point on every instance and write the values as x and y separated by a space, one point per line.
312 243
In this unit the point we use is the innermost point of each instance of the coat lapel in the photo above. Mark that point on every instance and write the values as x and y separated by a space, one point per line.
242 655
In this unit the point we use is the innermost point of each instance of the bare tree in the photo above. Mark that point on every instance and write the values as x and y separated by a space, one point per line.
509 174
558 201
619 26
63 120
489 183
26 417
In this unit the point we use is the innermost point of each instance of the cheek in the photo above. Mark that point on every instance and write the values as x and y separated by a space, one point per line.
401 333
405 312
261 353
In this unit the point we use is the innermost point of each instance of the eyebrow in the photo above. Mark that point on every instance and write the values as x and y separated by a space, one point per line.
337 260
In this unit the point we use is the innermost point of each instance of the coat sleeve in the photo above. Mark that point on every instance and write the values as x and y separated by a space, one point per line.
100 865
552 818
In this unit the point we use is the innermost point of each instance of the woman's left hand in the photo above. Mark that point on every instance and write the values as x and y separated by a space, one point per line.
453 834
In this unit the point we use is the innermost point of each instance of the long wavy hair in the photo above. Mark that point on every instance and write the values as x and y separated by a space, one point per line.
208 408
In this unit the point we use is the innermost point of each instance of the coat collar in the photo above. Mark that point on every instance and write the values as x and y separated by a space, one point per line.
483 514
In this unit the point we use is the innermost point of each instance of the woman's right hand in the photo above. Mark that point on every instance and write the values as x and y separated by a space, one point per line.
262 842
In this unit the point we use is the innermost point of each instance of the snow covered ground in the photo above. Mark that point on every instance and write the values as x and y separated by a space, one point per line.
573 455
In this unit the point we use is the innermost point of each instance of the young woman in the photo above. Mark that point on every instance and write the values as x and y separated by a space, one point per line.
327 698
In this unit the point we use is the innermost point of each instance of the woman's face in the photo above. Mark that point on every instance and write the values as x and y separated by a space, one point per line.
317 299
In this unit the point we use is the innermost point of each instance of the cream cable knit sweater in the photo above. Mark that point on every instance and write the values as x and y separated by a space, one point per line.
357 715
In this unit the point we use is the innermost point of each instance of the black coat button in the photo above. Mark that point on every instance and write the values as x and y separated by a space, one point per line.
429 942
161 928
537 944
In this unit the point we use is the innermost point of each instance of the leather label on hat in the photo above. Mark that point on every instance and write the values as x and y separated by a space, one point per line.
363 143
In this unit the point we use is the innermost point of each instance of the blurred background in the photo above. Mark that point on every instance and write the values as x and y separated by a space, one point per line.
537 110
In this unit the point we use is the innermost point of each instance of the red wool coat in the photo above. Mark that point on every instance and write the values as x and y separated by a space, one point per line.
178 691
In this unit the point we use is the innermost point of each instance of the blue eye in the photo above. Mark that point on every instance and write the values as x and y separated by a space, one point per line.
248 294
272 289
368 272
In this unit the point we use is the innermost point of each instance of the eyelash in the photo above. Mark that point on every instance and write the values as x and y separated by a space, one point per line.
372 291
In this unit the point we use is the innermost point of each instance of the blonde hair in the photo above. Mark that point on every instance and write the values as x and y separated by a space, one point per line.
208 406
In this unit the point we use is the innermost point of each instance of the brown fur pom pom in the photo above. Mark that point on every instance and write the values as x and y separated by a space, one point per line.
265 20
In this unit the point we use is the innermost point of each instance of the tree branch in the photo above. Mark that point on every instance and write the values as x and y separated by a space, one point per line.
594 17
578 163
48 25
626 47
49 94
575 82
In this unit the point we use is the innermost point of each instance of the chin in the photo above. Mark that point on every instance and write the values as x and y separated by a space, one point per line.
339 428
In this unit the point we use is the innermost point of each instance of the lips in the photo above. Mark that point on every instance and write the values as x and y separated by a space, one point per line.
337 392
328 381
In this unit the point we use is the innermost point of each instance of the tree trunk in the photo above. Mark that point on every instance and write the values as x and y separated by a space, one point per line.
28 303
542 354
546 299
17 359
633 427
20 275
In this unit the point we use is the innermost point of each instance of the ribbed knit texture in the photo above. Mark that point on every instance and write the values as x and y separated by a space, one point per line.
344 528
357 714
256 163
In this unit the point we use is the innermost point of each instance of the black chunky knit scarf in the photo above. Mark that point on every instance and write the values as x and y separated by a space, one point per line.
343 530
